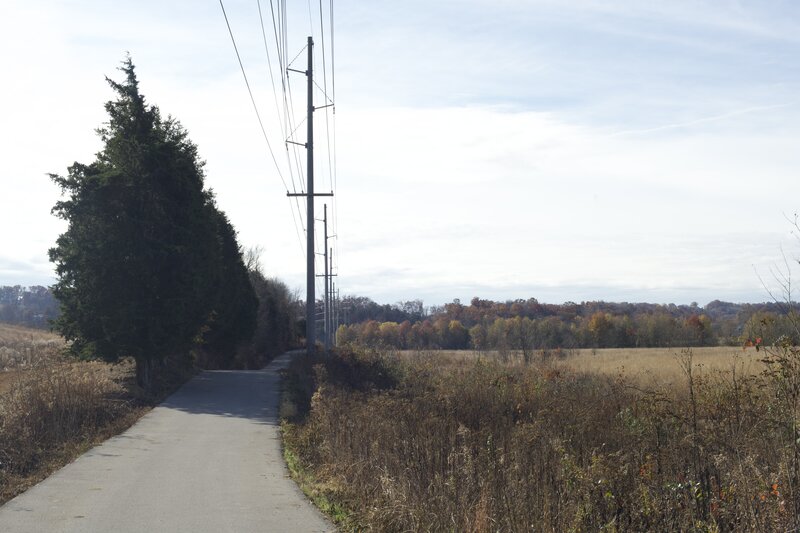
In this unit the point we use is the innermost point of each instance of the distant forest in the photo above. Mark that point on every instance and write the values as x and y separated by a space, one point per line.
529 324
513 324
27 306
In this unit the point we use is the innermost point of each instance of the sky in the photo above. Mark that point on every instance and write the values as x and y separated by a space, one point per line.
563 150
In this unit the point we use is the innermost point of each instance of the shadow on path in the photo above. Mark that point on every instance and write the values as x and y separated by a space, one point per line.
233 393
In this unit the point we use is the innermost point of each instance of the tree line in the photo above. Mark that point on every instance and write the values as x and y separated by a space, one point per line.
527 325
33 306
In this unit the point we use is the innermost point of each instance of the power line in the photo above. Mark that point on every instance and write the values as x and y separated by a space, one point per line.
296 203
279 25
291 135
333 119
335 180
290 119
333 56
295 57
325 92
258 116
250 92
272 82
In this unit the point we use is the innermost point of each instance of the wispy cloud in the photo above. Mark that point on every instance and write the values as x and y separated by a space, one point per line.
703 120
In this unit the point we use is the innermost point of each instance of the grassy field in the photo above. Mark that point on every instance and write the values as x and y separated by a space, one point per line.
616 440
22 347
645 365
53 408
664 365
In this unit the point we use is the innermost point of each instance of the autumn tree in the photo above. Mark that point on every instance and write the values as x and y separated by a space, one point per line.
389 334
699 329
477 337
601 326
457 337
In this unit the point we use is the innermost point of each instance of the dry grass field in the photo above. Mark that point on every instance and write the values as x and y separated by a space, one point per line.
664 364
643 365
25 348
22 347
52 408
606 440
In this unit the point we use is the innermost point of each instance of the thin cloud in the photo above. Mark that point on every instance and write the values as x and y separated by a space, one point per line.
704 120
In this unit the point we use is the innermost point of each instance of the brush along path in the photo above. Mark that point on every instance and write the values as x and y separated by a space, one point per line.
207 459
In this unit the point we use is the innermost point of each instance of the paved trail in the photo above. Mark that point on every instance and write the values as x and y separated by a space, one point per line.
206 460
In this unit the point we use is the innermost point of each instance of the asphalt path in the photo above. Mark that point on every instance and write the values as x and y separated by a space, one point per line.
208 459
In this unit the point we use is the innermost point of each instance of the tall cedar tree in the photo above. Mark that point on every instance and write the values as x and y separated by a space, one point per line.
235 303
148 266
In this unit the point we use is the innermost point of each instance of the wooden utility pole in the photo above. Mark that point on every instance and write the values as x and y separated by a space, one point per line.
311 299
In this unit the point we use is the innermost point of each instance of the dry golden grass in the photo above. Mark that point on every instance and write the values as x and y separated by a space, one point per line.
643 365
53 408
7 380
663 365
22 347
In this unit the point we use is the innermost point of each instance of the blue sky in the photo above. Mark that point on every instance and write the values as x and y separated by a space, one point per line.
636 150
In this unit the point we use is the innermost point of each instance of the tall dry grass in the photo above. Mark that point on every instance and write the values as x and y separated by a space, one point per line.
409 444
663 364
643 365
50 407
53 408
22 347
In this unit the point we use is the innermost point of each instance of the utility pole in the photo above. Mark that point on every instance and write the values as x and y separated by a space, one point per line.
327 292
335 316
329 288
311 299
327 305
338 307
335 312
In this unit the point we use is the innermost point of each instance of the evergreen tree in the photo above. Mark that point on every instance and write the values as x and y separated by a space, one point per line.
140 264
233 318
